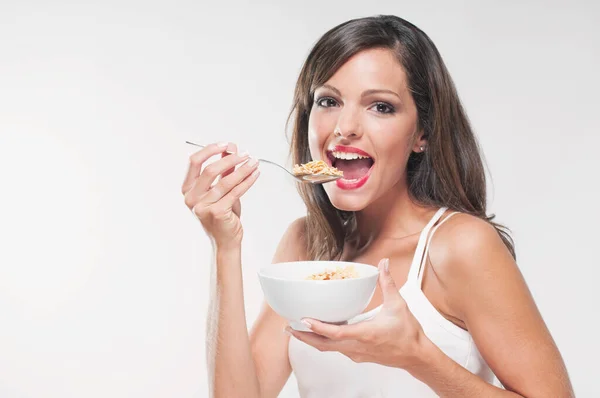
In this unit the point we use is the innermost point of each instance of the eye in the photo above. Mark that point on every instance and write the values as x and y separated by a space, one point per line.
326 102
382 107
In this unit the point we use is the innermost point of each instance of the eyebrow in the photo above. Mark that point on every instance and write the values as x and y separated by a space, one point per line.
364 94
335 90
370 92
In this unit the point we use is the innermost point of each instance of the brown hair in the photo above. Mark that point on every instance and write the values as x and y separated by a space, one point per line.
450 173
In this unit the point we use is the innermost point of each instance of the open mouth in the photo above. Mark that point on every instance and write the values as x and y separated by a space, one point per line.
354 162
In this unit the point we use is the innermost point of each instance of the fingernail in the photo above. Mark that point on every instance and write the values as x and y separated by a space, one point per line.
306 323
255 173
287 331
222 144
252 162
386 265
243 154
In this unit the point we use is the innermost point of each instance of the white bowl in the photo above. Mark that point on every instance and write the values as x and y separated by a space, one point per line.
336 301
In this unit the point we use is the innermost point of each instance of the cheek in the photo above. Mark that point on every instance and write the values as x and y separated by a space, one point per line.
314 143
396 157
393 140
394 144
319 130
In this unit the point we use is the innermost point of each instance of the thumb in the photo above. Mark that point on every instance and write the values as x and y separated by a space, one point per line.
386 282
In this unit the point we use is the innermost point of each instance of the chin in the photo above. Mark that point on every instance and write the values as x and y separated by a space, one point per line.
347 202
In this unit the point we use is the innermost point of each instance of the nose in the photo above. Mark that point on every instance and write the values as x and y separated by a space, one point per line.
348 124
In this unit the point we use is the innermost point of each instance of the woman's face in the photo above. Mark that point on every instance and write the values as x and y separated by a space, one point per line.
363 121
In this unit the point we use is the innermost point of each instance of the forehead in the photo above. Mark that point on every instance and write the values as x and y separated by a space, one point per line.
375 68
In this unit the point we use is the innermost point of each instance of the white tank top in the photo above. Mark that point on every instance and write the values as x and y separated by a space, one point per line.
333 375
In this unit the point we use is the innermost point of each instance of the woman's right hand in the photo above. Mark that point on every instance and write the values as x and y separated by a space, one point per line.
217 206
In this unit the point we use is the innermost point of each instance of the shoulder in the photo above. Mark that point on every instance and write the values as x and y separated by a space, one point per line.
463 233
462 238
466 250
296 230
292 246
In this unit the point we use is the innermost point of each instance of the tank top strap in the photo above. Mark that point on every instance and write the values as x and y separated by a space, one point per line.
426 253
413 272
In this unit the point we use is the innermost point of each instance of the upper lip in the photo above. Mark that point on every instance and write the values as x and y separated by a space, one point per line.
348 149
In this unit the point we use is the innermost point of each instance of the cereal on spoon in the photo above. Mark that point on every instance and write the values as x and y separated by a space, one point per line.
316 167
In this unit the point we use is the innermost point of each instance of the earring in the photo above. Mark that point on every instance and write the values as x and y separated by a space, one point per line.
422 148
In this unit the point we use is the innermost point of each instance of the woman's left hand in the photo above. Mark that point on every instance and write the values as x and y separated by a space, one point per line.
393 337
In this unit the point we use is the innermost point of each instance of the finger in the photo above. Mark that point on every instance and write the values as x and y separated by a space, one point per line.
214 170
227 184
232 148
216 198
338 332
388 287
202 184
239 190
319 342
196 162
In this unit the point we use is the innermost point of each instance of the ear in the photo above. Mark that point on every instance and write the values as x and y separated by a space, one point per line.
420 144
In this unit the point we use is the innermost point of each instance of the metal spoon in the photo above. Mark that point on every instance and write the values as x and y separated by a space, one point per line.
310 178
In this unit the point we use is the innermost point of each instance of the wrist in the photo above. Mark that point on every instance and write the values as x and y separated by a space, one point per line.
424 357
227 263
227 253
229 246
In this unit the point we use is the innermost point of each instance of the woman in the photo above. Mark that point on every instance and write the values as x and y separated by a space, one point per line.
416 198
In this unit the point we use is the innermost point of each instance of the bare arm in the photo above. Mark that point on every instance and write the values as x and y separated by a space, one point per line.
268 339
230 364
254 365
487 291
212 192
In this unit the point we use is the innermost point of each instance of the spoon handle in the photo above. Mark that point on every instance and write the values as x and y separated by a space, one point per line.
260 160
278 165
204 146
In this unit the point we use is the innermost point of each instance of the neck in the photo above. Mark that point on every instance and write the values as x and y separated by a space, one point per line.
393 216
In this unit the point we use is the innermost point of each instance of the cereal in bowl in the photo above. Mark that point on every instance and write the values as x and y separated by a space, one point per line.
339 273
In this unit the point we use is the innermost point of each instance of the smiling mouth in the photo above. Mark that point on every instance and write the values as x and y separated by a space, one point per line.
352 161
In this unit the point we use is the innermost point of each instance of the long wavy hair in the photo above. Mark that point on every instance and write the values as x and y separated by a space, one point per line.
450 173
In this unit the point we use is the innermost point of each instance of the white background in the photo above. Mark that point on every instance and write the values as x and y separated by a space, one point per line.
103 270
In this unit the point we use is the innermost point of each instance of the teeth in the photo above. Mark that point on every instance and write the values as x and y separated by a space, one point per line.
348 155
